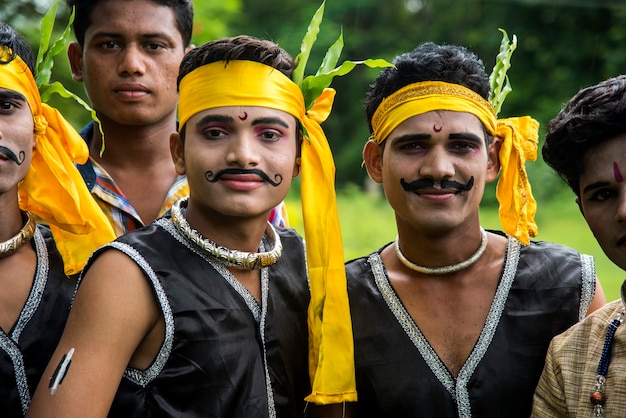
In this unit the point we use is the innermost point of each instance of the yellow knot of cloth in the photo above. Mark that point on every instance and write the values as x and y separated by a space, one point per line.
53 189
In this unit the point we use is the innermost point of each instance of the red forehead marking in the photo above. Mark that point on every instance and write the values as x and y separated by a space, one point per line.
244 116
617 173
437 128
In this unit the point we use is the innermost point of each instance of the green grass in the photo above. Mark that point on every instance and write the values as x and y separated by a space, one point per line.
367 223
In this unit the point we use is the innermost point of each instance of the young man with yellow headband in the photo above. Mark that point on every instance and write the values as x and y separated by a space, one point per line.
127 54
451 320
204 313
38 179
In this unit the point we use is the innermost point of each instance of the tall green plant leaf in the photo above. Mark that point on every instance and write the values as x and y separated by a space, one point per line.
307 44
499 81
312 86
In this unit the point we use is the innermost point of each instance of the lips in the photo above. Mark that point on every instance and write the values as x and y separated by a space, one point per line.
436 191
242 182
242 178
131 90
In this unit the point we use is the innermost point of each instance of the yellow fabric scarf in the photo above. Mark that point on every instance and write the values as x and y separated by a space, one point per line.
247 83
53 189
519 143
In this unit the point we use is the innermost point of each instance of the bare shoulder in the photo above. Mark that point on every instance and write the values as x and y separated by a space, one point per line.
113 312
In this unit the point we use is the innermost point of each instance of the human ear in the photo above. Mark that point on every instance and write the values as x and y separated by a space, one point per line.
493 155
373 159
75 56
177 149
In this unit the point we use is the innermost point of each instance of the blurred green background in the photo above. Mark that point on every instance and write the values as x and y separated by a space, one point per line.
563 45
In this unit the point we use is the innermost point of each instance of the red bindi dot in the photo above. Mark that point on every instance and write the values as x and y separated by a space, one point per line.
244 116
617 173
437 128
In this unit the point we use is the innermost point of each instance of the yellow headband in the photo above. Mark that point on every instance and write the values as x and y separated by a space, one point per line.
247 83
519 143
53 189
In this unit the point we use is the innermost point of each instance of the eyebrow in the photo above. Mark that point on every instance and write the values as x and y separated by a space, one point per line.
410 137
466 136
214 118
420 137
271 121
116 35
595 185
11 94
255 122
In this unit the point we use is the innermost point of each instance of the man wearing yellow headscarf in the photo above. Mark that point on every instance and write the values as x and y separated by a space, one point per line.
38 180
451 320
205 313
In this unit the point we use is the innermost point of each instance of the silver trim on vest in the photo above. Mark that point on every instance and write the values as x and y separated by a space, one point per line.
458 390
10 345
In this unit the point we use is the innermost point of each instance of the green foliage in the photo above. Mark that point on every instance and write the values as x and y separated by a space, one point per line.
312 86
498 80
45 62
212 19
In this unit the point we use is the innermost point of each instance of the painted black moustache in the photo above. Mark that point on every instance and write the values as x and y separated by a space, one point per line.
429 184
278 179
11 155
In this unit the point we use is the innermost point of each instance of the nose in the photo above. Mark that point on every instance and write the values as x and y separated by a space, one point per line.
242 151
132 60
436 164
620 214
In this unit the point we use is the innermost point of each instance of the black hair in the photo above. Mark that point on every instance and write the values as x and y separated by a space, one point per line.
240 48
595 114
428 62
183 13
10 39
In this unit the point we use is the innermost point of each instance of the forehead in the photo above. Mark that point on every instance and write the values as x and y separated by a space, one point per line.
11 94
132 18
245 114
446 121
603 160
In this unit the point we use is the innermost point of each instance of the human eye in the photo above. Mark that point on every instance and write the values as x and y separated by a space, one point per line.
411 146
462 147
602 195
154 46
109 45
213 132
270 135
7 106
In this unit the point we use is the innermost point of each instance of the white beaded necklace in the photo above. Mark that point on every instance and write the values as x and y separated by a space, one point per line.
445 269
232 258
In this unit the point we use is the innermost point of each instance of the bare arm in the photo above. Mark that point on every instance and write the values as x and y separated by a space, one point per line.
599 300
113 312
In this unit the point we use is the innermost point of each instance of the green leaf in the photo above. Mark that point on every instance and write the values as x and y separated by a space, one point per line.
47 90
332 56
499 81
46 54
47 24
307 44
313 85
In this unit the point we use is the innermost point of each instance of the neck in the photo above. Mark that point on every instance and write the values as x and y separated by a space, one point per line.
439 248
243 234
11 220
140 145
